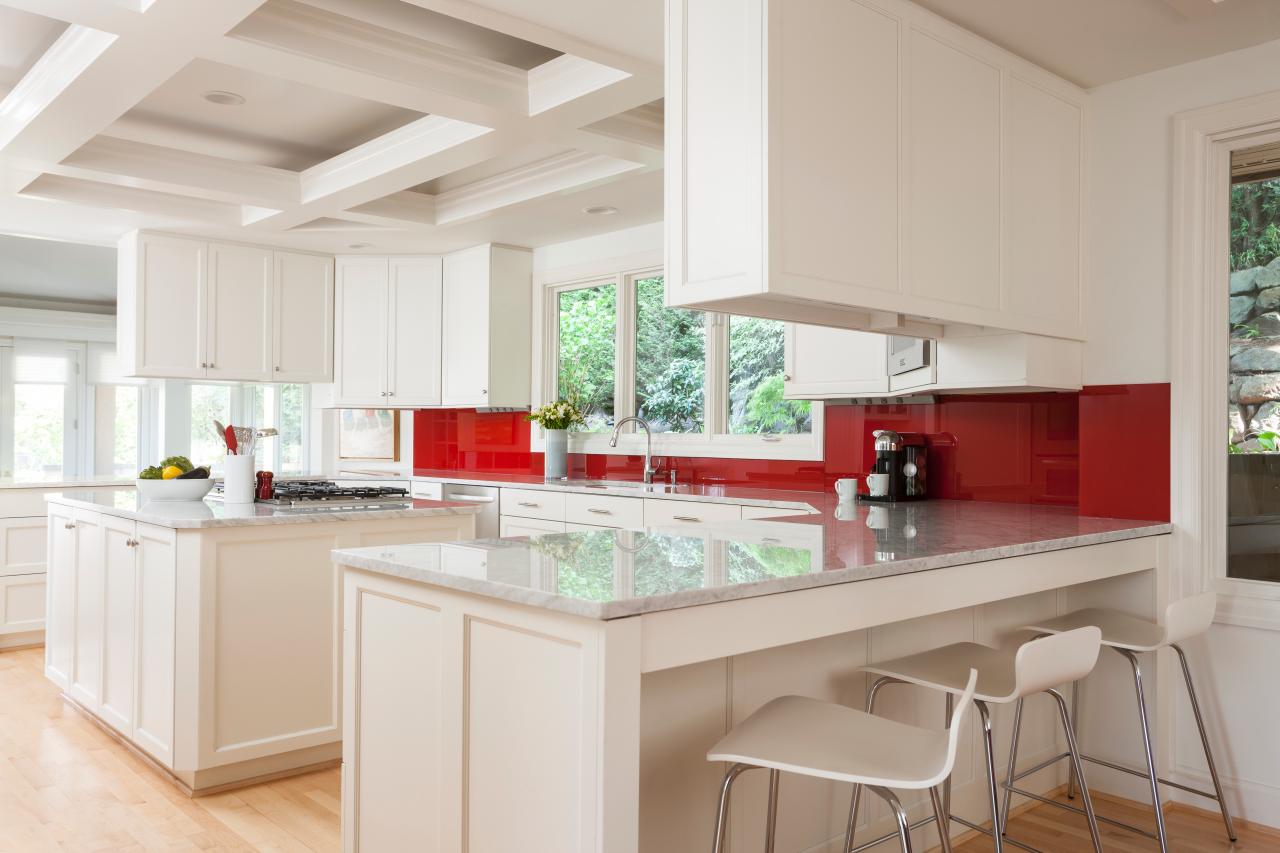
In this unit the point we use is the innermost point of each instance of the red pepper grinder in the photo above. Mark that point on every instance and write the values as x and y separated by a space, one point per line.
266 488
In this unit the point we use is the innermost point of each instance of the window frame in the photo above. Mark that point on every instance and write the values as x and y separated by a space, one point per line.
241 413
716 441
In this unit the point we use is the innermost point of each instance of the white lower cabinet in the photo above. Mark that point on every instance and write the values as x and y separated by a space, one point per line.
663 513
604 510
515 526
22 603
23 545
114 578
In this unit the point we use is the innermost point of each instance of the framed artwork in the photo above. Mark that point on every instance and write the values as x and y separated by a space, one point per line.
369 434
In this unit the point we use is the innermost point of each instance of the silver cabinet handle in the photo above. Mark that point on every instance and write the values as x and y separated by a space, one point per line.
69 525
132 543
786 377
211 364
528 504
277 368
771 438
204 364
769 540
598 511
686 518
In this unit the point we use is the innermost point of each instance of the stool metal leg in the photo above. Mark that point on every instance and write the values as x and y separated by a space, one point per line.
1075 727
940 816
726 786
1204 739
946 785
988 741
1146 745
1079 768
899 814
1013 764
857 789
771 819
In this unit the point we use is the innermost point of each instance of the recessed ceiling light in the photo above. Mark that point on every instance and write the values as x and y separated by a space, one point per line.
226 99
359 245
600 210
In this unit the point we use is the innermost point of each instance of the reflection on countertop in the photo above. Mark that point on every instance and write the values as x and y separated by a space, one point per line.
607 574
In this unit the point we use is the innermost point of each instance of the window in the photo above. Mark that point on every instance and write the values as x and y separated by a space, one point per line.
706 383
120 411
284 407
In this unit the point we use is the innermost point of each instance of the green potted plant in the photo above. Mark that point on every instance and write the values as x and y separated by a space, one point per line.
555 419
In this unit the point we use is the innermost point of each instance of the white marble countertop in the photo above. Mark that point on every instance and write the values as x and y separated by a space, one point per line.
182 515
71 483
783 498
613 574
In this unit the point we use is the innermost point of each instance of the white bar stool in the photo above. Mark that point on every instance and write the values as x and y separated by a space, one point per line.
830 741
1131 636
1004 676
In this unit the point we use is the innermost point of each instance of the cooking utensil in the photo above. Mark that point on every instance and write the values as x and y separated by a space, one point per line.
244 440
232 444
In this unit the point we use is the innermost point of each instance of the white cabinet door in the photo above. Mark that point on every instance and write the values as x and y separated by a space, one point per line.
59 632
360 332
465 328
239 313
413 348
156 562
118 623
22 603
22 545
823 362
303 316
169 301
86 653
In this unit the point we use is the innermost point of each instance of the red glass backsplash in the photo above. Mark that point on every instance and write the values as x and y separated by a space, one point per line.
1019 448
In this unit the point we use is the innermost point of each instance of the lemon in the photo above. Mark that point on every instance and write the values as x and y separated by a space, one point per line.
171 472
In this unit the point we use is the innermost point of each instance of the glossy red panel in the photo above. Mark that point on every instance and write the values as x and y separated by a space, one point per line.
1124 451
1021 448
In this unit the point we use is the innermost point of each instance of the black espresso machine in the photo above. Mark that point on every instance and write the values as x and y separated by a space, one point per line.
902 457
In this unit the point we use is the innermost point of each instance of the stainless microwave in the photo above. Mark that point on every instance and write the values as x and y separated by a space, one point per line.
907 354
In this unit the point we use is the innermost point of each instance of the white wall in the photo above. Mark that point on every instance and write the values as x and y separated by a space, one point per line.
1130 175
615 244
1129 341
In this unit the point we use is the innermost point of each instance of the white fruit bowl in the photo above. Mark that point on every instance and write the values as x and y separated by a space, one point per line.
174 490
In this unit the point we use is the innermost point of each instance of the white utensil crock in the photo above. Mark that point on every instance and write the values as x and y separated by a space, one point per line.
238 480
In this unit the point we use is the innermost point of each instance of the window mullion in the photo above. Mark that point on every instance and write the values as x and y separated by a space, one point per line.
624 360
715 418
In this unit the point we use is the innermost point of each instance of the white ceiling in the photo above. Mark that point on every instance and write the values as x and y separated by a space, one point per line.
45 269
23 38
1092 42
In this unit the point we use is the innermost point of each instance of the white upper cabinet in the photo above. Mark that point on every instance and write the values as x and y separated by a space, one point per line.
823 362
486 325
239 329
865 164
303 313
190 309
388 332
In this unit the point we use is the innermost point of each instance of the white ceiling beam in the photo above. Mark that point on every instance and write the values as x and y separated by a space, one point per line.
643 126
88 79
313 46
398 210
94 194
126 163
522 28
418 152
566 78
1194 8
106 16
562 173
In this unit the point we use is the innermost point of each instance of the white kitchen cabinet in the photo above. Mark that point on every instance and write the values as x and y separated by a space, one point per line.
823 362
387 337
238 330
119 611
666 513
87 610
191 309
302 312
59 610
23 545
485 327
22 604
515 526
868 165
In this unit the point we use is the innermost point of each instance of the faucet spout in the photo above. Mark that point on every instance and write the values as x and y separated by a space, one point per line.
649 469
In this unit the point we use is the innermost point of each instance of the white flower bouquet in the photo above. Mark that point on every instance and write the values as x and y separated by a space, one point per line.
562 414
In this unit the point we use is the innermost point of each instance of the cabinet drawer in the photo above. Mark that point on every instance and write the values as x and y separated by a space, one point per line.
750 512
21 603
605 510
532 503
513 526
23 542
426 490
661 512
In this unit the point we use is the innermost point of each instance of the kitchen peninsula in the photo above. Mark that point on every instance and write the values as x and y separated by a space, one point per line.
206 635
565 687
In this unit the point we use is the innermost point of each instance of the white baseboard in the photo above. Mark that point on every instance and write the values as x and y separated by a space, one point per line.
1252 801
23 638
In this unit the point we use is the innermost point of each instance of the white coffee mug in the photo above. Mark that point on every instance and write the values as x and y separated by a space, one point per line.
878 485
846 488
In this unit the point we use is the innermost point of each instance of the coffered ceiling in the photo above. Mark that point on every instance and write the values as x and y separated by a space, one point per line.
393 125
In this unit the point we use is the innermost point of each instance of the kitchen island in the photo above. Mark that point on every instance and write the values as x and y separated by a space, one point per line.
207 635
563 689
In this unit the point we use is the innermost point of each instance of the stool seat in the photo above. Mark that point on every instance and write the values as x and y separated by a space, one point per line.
1119 630
797 734
947 668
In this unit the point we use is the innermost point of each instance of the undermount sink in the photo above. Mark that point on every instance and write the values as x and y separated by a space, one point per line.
620 484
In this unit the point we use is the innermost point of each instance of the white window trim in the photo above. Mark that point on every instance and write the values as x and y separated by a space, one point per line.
1203 142
241 414
622 272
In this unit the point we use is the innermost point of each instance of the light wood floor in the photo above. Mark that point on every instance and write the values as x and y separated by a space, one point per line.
66 786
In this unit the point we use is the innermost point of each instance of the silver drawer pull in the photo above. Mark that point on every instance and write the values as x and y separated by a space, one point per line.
70 525
770 540
771 438
528 504
599 511
686 518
